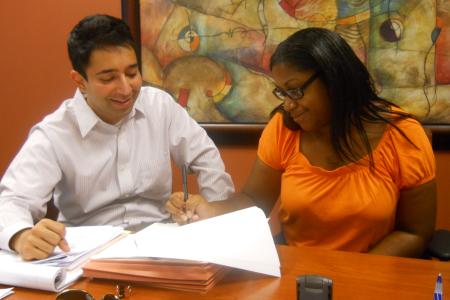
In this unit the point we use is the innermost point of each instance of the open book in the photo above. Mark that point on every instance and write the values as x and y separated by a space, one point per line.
60 269
193 256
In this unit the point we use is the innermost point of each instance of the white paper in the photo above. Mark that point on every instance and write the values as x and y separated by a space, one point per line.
56 275
82 240
14 271
6 292
241 239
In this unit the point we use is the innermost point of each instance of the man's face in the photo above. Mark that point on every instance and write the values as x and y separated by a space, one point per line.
113 82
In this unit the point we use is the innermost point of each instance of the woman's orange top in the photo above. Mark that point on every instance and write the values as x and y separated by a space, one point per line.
352 207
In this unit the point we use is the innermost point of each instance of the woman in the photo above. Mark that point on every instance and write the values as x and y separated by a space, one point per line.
353 171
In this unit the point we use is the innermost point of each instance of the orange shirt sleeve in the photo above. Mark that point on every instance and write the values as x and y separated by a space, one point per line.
416 163
276 145
267 150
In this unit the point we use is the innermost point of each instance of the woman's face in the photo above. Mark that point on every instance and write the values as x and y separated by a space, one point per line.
312 111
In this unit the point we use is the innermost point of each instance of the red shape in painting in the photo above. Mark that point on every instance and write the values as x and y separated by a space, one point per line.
442 66
183 97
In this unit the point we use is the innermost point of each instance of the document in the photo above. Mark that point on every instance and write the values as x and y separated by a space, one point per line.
6 292
241 240
82 240
61 269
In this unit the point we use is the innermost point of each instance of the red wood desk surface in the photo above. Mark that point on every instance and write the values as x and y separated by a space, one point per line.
355 276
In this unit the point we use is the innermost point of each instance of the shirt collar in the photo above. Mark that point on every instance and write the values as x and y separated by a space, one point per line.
138 106
87 118
84 114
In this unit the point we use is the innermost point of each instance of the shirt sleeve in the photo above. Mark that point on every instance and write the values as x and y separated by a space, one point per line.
415 160
268 148
190 144
27 186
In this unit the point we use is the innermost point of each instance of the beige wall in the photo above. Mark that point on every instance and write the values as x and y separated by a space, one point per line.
35 79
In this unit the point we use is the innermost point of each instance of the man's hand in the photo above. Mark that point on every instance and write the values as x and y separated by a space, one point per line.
194 209
39 241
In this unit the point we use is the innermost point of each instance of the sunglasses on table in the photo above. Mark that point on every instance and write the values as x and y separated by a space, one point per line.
77 294
297 93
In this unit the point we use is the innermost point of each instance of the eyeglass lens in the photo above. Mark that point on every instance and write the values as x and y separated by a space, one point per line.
82 295
74 295
110 297
297 93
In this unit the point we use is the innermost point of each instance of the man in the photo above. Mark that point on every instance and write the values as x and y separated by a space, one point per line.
104 156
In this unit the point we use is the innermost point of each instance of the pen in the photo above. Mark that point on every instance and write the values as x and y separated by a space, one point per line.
184 171
438 288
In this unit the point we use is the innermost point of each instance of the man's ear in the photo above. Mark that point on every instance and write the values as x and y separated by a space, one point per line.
79 80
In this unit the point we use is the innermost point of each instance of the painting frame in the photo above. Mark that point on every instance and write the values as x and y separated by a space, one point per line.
131 14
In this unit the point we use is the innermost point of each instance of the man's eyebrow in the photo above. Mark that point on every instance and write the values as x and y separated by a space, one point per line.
107 71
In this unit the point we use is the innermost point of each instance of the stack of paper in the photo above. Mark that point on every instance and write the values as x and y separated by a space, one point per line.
61 269
166 273
193 256
6 292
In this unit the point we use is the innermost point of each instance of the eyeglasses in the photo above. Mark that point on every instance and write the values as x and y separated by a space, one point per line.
297 93
76 294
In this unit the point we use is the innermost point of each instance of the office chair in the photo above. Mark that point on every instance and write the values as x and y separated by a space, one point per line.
439 247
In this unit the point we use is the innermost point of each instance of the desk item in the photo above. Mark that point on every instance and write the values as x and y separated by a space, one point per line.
193 256
61 269
438 288
314 287
6 292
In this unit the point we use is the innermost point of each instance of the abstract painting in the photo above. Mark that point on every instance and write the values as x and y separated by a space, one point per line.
213 56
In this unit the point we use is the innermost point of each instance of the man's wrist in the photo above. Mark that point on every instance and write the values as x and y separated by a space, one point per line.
15 239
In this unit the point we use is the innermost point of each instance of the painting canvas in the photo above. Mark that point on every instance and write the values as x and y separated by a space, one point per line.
213 56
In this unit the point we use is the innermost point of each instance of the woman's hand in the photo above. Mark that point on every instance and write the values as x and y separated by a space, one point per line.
193 209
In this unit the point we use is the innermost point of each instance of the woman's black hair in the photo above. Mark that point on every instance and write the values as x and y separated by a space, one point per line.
353 98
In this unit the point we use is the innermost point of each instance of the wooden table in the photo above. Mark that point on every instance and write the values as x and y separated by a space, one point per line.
355 276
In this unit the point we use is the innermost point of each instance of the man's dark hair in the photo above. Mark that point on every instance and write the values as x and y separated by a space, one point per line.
96 32
353 98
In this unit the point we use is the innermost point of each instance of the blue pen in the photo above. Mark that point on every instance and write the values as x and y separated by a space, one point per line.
438 288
